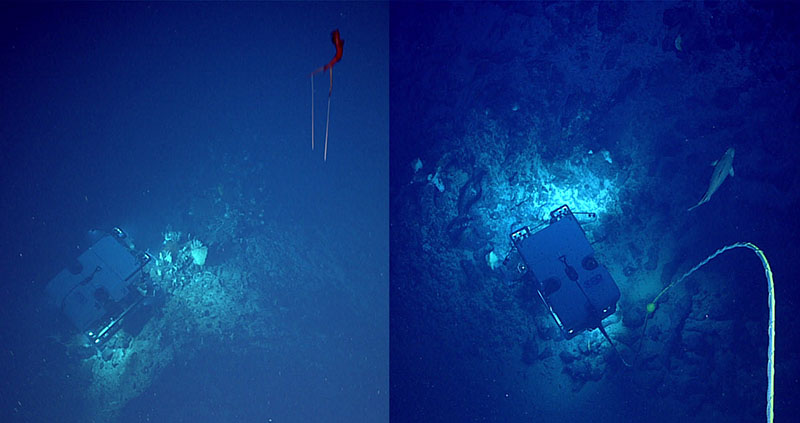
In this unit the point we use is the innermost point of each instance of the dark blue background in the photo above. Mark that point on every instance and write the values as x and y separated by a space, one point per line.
666 87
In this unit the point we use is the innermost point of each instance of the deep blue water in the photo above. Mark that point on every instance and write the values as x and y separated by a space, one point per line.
502 112
382 283
195 118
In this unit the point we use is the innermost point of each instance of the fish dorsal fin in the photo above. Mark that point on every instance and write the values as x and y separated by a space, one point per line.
731 172
714 163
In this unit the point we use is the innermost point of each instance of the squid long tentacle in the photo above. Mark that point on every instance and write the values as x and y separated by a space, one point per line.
328 117
312 112
339 43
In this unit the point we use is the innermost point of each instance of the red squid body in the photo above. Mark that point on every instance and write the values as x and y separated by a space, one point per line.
337 40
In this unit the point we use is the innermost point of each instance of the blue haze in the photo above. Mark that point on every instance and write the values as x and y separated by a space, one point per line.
137 115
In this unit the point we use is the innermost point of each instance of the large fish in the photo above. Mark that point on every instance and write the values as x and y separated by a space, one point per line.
722 168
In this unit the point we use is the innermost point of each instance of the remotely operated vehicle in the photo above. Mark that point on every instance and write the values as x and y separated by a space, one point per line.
103 287
579 292
560 262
